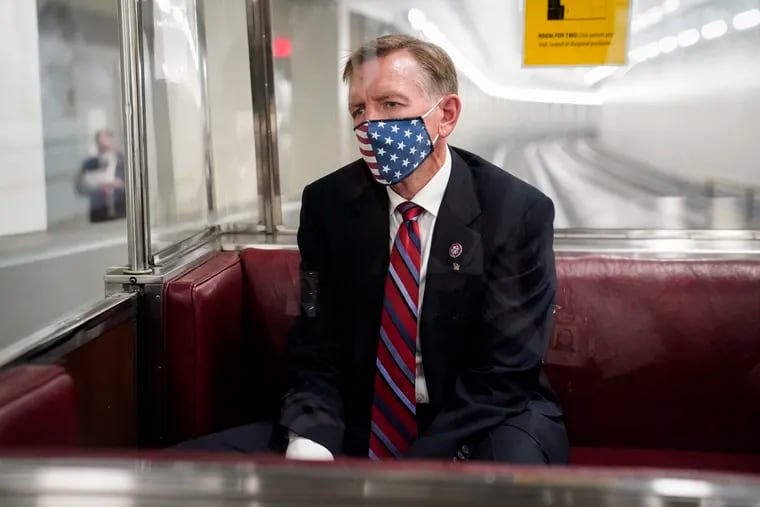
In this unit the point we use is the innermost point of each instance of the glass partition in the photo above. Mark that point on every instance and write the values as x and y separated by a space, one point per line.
62 204
176 122
62 174
667 141
200 117
231 112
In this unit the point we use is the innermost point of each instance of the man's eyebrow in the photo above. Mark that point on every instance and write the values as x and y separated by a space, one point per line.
392 95
355 103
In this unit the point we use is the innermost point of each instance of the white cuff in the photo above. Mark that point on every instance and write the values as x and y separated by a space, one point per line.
301 448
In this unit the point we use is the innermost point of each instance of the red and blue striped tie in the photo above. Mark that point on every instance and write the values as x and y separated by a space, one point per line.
394 422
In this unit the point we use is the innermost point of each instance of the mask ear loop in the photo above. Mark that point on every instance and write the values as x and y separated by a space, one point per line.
432 108
426 114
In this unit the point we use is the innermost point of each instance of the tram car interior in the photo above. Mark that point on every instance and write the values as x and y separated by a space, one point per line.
155 307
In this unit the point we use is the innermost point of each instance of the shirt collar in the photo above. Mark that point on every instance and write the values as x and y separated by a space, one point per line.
431 195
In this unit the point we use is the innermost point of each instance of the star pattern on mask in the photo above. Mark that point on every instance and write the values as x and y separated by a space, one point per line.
397 147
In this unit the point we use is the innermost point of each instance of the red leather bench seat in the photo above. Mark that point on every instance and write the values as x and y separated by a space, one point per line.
205 378
656 362
37 408
661 355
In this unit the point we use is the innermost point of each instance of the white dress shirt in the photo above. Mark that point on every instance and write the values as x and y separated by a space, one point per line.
429 198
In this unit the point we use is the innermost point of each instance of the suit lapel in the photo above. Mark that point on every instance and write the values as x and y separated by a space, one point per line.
456 257
367 254
369 224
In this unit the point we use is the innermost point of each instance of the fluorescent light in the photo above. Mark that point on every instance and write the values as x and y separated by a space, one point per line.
668 44
652 50
688 37
714 29
654 15
638 55
599 73
670 6
416 18
494 89
747 19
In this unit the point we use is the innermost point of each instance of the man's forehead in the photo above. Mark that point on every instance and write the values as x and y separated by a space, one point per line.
397 69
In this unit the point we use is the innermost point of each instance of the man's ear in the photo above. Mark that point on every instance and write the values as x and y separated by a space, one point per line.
451 106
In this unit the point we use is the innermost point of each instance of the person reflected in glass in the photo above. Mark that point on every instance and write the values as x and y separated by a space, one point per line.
101 179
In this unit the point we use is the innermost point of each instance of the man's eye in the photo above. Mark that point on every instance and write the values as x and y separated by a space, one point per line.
391 105
357 112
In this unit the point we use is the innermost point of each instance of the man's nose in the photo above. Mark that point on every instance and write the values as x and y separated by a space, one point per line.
372 113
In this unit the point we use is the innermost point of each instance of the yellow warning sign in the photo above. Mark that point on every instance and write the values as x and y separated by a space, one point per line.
576 32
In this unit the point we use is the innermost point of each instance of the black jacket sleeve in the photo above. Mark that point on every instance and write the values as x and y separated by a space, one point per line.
313 407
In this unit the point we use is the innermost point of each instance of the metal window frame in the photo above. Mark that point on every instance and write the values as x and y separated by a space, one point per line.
134 128
145 266
259 23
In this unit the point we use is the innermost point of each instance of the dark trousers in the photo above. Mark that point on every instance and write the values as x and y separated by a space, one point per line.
530 438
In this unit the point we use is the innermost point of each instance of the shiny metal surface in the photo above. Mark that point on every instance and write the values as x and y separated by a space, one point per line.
638 244
208 152
258 14
152 415
143 482
168 254
116 280
85 323
664 244
134 129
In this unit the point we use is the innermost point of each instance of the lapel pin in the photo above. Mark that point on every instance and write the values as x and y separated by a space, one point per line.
455 250
456 266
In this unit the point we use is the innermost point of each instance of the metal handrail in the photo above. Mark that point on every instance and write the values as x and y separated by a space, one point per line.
135 152
258 17
270 481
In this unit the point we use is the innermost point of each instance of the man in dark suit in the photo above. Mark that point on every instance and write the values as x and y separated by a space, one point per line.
101 179
427 288
422 331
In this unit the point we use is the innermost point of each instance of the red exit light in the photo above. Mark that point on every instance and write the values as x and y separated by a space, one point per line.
282 47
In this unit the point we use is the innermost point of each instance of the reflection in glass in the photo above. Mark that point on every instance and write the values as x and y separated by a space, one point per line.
176 144
61 175
200 117
664 142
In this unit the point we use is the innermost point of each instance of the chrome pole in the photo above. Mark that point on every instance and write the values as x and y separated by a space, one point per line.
135 153
208 152
259 22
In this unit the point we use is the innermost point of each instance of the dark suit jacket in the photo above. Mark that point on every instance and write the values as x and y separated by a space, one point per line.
98 207
484 328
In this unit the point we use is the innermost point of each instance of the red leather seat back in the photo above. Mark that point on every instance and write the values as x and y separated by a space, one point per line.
37 407
658 354
206 357
645 354
272 302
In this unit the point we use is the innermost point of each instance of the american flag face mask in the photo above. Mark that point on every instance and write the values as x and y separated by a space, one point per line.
394 149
